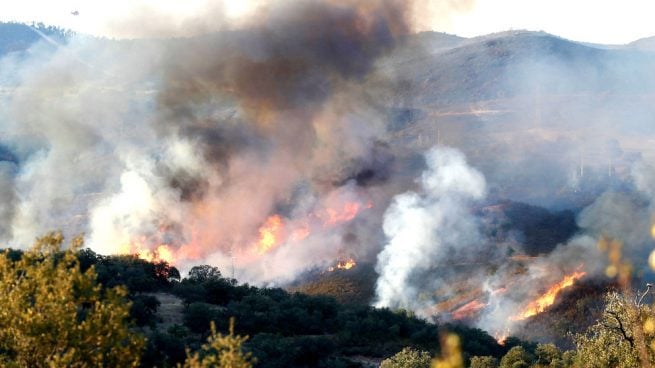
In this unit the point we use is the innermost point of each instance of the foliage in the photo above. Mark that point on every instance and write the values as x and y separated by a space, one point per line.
516 357
293 329
475 341
198 314
614 340
223 351
136 274
408 358
353 286
204 273
144 309
287 329
483 362
275 351
548 355
53 315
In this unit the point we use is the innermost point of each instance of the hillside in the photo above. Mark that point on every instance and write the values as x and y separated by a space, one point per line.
286 329
18 37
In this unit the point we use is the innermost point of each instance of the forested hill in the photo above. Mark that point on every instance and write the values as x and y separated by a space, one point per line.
285 329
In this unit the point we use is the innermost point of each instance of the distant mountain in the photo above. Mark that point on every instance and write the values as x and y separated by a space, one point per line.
496 66
18 37
647 44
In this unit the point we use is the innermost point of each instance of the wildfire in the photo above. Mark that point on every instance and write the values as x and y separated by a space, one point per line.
348 212
163 252
344 265
276 230
547 299
468 310
269 234
501 336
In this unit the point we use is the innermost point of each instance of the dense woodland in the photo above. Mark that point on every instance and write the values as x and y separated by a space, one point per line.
78 308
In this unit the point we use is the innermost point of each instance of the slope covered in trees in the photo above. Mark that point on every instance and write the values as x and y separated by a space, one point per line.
77 308
285 329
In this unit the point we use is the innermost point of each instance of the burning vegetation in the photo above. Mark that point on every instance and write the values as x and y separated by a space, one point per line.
343 265
548 298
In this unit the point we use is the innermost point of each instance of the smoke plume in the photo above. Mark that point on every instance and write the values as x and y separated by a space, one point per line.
182 149
429 229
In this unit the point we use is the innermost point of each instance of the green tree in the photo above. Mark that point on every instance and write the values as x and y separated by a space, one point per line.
408 358
54 315
616 339
204 273
224 351
548 355
516 357
484 362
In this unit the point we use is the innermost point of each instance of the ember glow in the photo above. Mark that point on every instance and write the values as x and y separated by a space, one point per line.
547 299
343 265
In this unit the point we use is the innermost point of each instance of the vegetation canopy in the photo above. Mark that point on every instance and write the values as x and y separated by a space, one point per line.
52 314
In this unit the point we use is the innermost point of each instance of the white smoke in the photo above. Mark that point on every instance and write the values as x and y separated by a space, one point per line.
426 229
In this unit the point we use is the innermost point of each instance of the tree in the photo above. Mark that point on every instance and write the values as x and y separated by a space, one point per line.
144 310
204 273
197 315
484 362
616 339
223 351
408 358
548 355
54 315
516 357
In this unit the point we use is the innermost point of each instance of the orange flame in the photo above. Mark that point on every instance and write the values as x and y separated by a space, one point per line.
276 231
270 234
547 299
501 336
163 252
344 265
468 310
345 214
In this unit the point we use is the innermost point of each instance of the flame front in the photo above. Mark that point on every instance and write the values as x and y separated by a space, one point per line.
547 299
276 231
270 234
469 309
162 253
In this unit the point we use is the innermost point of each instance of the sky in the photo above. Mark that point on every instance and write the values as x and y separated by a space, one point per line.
598 21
